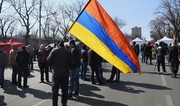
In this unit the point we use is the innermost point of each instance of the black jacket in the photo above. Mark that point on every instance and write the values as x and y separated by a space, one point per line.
22 58
94 58
61 59
173 54
76 56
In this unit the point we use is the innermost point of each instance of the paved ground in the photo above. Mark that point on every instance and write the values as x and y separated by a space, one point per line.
147 89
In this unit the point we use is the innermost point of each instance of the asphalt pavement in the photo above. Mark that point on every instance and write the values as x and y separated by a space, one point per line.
147 89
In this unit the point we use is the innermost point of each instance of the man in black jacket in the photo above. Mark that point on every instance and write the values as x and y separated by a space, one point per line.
173 59
61 60
94 59
22 60
74 74
161 52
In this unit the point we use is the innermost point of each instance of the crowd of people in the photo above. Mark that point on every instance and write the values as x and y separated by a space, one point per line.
161 52
67 64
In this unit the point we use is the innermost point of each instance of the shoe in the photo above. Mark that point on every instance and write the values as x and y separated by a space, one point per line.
85 79
159 72
41 82
76 95
14 83
164 72
19 86
109 80
151 64
101 83
2 86
64 105
48 81
26 86
93 82
173 76
117 80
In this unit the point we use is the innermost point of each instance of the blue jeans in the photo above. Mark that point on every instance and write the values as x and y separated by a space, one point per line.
83 70
1 76
74 80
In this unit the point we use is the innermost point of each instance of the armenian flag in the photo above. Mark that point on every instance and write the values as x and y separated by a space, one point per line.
95 28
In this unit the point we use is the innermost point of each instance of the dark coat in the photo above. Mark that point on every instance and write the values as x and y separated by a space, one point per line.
94 58
41 59
22 59
61 59
173 54
84 56
3 58
76 56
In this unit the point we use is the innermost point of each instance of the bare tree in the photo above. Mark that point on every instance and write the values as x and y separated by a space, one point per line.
77 7
63 21
34 34
11 31
24 9
1 4
49 22
68 14
119 22
54 30
170 9
157 25
155 36
5 24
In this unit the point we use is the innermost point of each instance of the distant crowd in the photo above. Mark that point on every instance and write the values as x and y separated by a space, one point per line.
160 52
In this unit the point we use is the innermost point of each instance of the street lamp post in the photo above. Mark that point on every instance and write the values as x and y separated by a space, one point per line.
40 17
40 6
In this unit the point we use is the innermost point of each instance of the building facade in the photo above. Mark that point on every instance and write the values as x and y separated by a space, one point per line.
136 32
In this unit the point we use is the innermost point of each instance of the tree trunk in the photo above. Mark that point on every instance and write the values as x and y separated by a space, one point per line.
27 36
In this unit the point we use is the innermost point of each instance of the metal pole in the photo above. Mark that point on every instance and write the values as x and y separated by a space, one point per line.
40 6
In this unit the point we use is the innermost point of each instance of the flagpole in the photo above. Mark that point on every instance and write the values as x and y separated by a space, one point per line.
79 15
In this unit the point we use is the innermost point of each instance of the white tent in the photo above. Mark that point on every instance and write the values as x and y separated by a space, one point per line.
138 41
166 40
